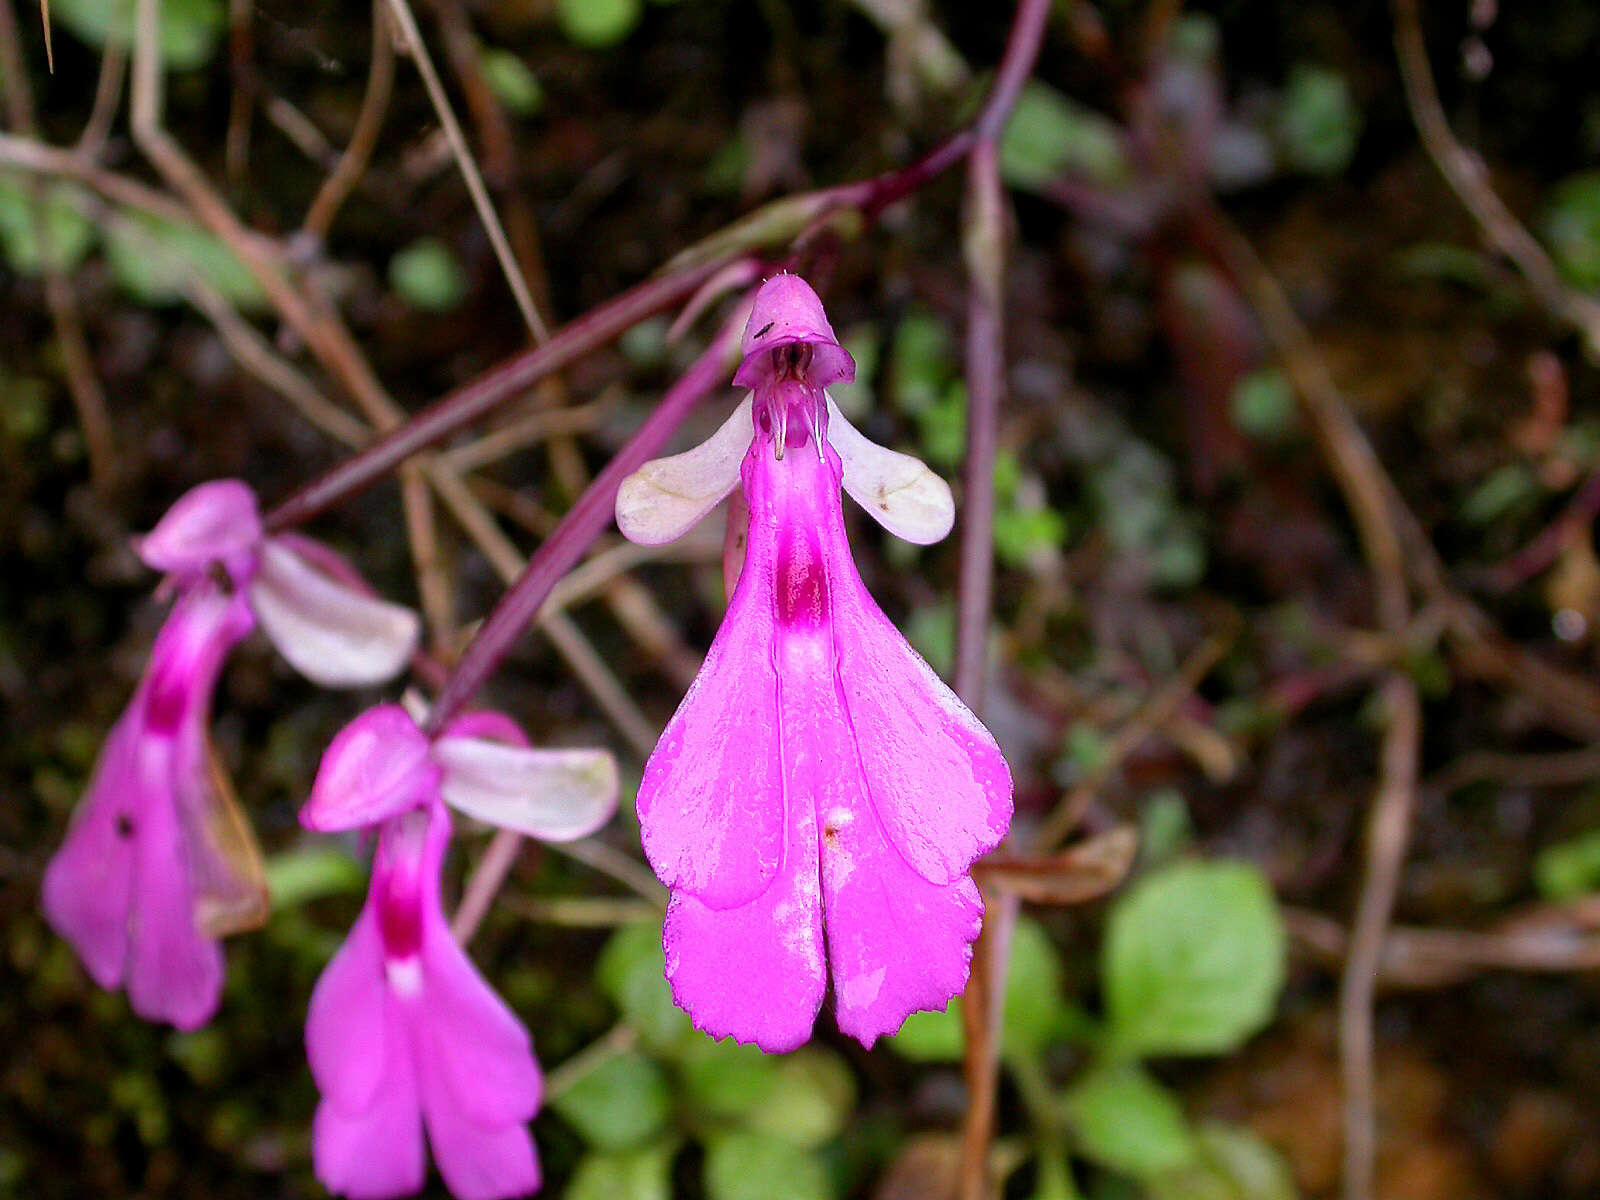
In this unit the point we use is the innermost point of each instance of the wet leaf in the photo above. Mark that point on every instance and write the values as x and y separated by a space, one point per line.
622 1102
632 971
427 274
1193 960
1125 1120
40 228
597 24
749 1166
641 1174
190 29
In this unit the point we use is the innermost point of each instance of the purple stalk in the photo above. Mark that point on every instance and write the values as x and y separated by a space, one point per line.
584 522
472 400
983 246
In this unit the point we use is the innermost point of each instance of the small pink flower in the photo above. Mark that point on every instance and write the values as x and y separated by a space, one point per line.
818 798
144 859
158 862
403 1033
312 605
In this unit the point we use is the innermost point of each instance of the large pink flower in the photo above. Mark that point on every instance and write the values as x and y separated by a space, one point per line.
158 862
817 800
403 1033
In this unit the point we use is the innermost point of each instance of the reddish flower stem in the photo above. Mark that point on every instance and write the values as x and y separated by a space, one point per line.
584 522
472 400
983 246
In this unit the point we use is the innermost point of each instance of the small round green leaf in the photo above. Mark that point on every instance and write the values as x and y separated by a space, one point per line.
642 1174
1318 124
1193 960
1232 1164
751 1166
43 227
427 274
1125 1120
622 1102
512 81
633 972
812 1095
726 1078
598 23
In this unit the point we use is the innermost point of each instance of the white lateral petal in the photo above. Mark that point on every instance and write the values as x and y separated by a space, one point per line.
663 499
899 492
554 795
330 633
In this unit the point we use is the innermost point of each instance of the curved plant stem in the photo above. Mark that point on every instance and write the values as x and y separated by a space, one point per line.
983 246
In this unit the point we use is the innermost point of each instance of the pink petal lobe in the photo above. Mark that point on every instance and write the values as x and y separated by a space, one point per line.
88 886
350 1039
897 944
935 774
174 971
379 765
215 522
707 804
478 1059
375 1150
756 972
478 1161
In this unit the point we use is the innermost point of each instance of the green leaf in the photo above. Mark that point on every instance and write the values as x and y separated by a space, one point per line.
153 259
1049 136
622 1102
921 362
1232 1164
632 971
1570 868
812 1096
1125 1120
427 274
190 29
1193 960
1024 536
512 81
1034 1008
66 228
1318 125
642 1174
931 1036
1572 227
726 1078
1035 1012
1508 490
749 1166
597 24
1263 406
310 872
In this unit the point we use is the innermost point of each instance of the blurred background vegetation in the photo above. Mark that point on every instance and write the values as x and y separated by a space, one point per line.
1184 635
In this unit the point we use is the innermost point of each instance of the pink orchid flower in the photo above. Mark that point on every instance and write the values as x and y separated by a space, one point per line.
159 863
817 800
403 1032
146 873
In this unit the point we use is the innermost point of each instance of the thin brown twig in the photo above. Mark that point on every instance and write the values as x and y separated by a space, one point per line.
1546 938
515 279
1369 494
1157 709
1468 177
984 233
347 172
83 384
107 97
